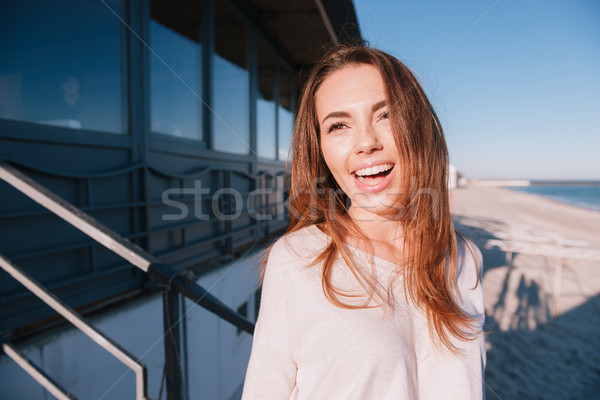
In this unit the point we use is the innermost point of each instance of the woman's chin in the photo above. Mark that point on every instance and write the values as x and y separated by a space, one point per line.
376 211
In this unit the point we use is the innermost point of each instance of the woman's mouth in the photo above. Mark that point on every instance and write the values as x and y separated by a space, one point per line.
373 175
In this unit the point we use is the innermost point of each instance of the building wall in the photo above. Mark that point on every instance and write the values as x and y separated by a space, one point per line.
123 108
214 355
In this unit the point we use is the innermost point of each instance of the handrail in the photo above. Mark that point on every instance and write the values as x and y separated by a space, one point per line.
48 383
73 317
76 217
119 245
163 273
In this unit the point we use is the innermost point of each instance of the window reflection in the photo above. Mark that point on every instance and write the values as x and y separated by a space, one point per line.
175 69
265 106
231 85
62 64
285 116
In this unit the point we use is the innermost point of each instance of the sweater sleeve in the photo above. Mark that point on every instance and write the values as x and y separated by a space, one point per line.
271 371
443 374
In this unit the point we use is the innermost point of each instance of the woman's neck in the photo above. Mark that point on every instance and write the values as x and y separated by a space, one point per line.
382 236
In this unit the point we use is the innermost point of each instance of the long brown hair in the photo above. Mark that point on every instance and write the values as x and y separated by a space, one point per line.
429 254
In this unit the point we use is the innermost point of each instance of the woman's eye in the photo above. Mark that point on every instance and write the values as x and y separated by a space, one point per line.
336 126
384 115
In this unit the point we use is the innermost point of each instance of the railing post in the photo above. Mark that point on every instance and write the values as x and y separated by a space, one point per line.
173 363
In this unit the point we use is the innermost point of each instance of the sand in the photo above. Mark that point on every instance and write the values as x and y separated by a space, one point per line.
542 292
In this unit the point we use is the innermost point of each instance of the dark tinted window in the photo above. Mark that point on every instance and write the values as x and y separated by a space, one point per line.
175 68
265 104
285 116
231 85
62 63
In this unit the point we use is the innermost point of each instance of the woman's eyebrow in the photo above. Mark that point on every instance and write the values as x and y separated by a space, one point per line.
336 114
378 105
344 114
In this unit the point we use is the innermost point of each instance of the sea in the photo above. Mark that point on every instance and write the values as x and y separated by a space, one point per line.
579 194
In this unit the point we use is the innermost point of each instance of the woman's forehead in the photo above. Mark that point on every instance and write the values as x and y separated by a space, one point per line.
350 87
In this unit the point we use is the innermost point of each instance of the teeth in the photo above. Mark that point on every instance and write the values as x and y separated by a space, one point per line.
373 170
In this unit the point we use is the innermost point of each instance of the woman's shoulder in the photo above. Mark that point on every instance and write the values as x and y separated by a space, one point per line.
468 277
292 253
301 245
470 259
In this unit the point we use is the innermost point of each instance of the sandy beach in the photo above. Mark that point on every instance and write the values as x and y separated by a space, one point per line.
542 292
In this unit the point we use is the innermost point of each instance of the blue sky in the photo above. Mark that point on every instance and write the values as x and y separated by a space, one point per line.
516 84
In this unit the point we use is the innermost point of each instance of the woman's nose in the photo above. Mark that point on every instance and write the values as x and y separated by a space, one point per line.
368 141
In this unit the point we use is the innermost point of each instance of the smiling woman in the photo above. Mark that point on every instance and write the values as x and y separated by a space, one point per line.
369 295
357 142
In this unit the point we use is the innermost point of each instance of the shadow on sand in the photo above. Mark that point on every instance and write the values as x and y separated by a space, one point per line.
532 355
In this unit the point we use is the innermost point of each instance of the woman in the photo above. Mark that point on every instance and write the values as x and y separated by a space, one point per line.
370 295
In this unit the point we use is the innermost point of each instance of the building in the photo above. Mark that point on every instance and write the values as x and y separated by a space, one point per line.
452 177
170 123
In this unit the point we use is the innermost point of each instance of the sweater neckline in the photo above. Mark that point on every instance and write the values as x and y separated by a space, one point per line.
354 249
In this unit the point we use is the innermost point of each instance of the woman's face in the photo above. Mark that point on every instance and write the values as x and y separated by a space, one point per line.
357 140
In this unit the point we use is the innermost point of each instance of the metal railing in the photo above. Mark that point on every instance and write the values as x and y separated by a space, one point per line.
164 274
70 315
133 196
48 383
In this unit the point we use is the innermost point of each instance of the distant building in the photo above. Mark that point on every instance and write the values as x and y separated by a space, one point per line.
169 122
452 177
500 182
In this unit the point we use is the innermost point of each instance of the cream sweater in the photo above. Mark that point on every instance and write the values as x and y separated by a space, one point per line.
306 348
